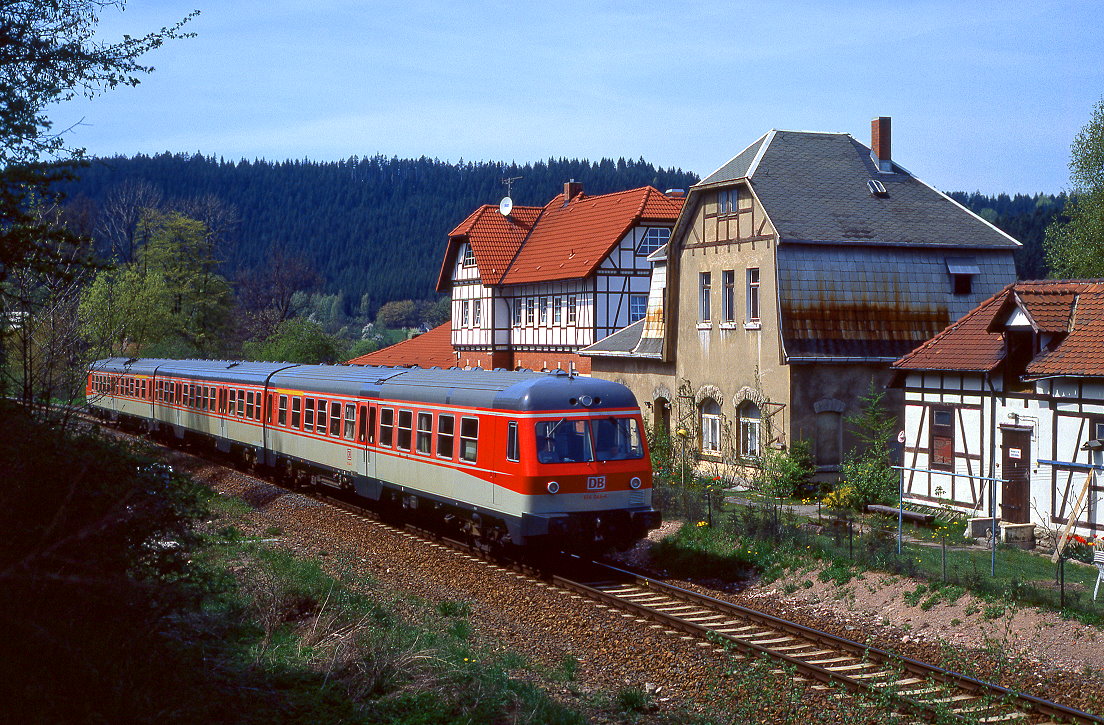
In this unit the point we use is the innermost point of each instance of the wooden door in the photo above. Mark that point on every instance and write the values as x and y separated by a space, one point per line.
1016 464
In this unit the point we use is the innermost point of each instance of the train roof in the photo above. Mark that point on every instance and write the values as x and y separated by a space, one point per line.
500 389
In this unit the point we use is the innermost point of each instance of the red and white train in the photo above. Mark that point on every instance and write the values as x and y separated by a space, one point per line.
509 457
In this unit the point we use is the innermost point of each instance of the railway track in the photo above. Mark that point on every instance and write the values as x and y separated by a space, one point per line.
926 691
923 690
915 687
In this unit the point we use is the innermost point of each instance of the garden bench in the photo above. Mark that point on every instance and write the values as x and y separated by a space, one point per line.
913 516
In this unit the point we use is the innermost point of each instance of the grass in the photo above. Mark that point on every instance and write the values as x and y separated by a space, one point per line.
766 542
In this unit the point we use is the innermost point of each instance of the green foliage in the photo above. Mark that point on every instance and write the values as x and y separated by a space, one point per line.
1075 241
375 227
297 340
52 52
1025 217
785 474
170 295
96 552
413 313
866 470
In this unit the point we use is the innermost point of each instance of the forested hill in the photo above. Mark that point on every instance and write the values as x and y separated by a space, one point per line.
373 226
377 226
1022 216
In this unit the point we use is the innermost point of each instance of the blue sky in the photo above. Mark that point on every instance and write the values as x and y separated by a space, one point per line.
983 95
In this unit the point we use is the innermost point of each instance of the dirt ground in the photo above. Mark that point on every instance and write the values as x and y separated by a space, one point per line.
874 603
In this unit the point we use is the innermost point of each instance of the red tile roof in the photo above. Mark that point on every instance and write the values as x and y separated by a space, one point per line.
425 350
966 345
570 240
1082 351
494 238
1071 311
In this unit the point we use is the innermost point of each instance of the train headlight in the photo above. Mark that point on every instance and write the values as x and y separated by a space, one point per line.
553 487
635 482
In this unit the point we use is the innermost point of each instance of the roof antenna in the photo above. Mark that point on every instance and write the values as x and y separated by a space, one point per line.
507 204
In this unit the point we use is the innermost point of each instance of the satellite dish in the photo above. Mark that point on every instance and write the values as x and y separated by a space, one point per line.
505 206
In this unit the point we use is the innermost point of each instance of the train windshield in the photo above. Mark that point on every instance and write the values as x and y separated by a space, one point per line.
575 441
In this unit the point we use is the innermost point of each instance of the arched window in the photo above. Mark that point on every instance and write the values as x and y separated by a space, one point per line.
661 415
750 420
710 426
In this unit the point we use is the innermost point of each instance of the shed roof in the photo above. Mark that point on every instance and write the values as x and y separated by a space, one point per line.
433 348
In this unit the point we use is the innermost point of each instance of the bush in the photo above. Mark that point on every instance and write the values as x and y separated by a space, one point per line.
870 480
785 474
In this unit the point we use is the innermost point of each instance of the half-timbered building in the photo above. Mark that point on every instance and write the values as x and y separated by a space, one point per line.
532 285
1013 391
796 274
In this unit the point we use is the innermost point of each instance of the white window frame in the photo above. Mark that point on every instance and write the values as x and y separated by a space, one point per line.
544 310
464 313
705 288
557 310
710 428
753 298
477 310
750 430
572 309
468 260
530 310
638 307
654 238
728 295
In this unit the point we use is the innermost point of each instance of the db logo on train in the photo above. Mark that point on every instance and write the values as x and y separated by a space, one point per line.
596 483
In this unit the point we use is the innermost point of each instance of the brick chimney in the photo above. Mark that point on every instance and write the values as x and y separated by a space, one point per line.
879 142
572 189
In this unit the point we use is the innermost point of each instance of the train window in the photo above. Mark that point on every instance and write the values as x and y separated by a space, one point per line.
211 391
249 402
270 408
241 403
425 432
203 397
335 419
446 429
282 415
406 424
371 423
296 404
308 414
563 441
387 426
512 441
321 419
350 420
469 433
617 439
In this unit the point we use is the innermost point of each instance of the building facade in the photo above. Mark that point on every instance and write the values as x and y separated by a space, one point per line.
1013 391
796 274
532 286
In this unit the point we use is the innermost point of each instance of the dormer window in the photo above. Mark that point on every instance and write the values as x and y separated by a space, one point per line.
727 201
654 238
469 256
962 271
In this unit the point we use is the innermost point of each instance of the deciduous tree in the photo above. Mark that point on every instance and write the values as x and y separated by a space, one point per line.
1075 242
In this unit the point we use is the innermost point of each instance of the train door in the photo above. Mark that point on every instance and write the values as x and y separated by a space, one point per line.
221 414
366 437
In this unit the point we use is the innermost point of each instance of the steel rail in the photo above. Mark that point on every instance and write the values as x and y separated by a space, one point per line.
997 694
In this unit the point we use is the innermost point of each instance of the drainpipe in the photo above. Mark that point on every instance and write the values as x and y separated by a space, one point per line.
992 469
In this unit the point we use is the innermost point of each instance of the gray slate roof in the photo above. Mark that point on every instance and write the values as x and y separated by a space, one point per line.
626 342
813 187
875 302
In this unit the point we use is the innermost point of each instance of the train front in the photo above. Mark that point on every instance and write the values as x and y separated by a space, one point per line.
584 466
